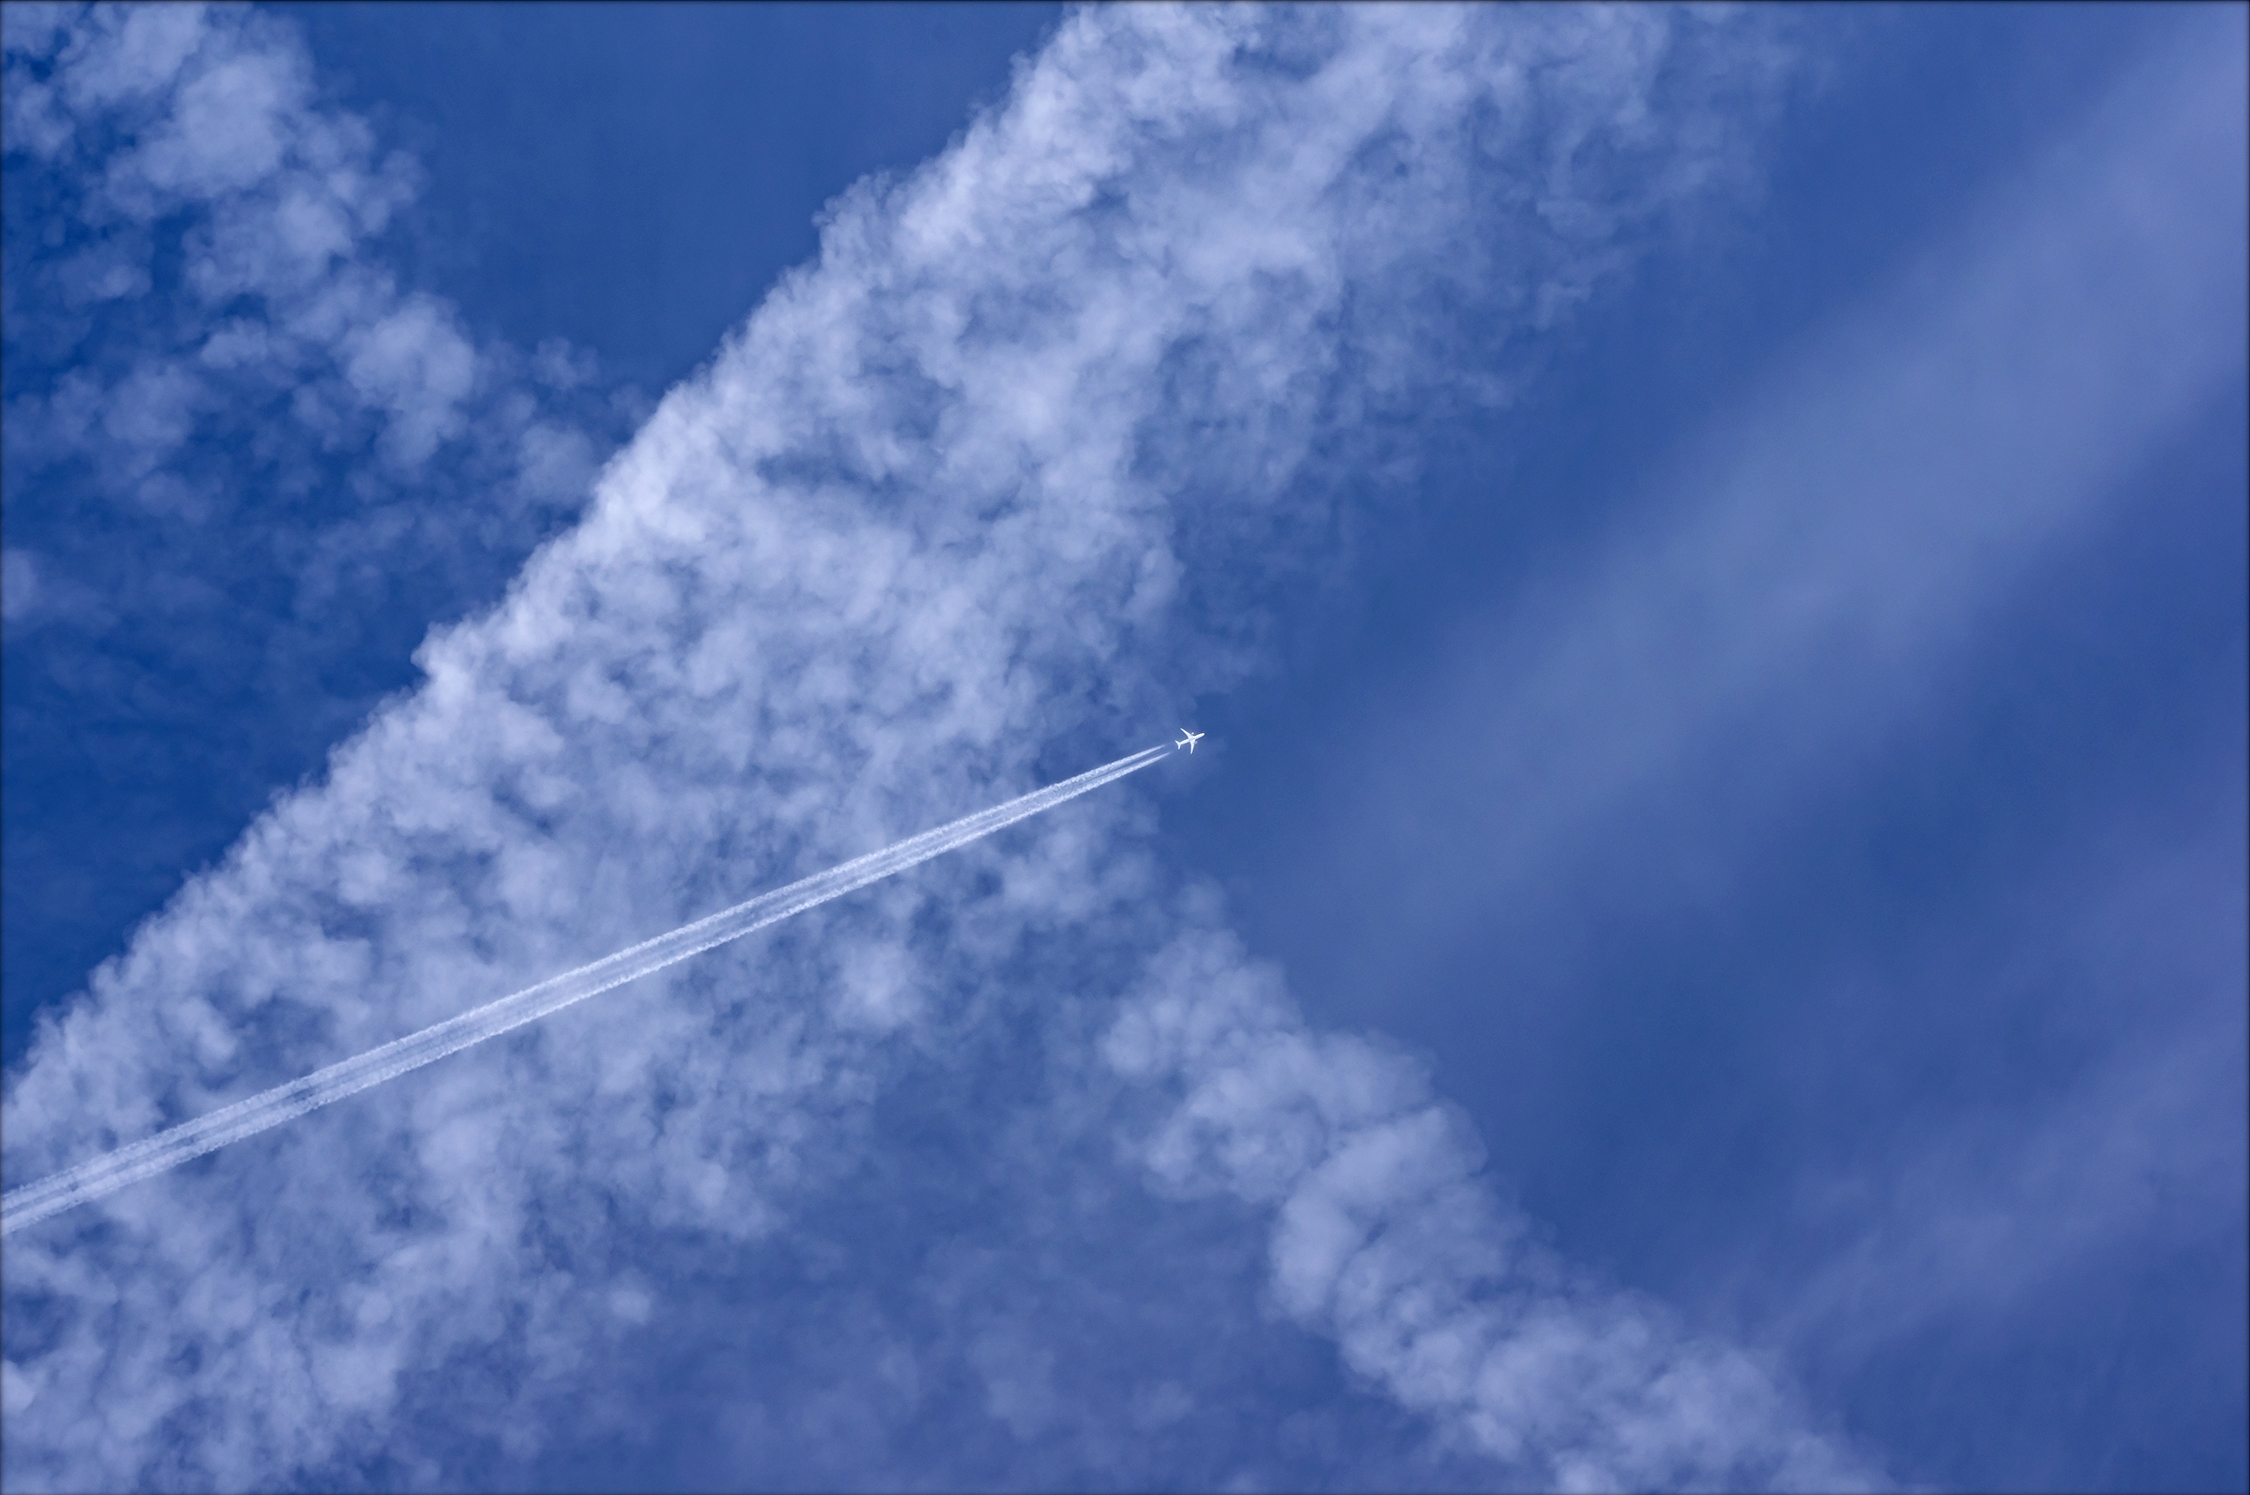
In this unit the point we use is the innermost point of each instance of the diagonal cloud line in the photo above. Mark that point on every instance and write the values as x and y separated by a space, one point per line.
112 1171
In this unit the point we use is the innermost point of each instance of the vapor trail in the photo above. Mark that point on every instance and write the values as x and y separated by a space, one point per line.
168 1149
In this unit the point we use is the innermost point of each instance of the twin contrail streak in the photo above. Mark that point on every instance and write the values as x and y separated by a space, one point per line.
114 1170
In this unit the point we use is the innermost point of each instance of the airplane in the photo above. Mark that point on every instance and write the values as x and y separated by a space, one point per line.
1189 739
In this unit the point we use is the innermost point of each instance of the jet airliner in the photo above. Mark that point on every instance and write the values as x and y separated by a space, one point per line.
1189 739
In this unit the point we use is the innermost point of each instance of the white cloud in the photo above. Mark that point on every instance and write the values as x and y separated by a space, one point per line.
1818 582
149 414
19 583
1385 1237
1801 582
282 198
127 53
237 344
32 594
557 364
968 486
555 463
106 272
228 130
415 364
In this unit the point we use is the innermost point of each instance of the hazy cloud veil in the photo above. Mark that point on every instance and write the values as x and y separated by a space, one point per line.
978 498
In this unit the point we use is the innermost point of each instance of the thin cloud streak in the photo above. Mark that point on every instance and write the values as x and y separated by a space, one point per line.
1870 502
167 1150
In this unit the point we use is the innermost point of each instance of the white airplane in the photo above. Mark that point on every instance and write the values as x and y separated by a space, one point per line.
1189 739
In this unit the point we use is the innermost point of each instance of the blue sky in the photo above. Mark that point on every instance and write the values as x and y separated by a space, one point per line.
1705 946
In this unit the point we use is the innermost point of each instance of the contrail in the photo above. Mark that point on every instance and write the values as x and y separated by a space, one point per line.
114 1170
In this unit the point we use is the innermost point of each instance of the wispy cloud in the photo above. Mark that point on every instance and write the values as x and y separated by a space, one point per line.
143 133
2130 954
1919 461
1836 577
1008 466
247 462
1385 1236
